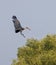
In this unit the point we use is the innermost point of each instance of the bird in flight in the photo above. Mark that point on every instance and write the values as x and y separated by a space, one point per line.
18 27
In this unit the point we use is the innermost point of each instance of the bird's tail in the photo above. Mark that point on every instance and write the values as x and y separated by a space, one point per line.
27 28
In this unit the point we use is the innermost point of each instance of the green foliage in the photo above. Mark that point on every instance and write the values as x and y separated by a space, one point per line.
37 52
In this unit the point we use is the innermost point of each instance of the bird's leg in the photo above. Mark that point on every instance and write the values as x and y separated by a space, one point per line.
22 34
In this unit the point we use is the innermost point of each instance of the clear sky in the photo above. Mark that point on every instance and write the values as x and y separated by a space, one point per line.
39 15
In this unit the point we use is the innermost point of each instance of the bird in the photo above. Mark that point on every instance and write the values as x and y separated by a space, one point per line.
17 26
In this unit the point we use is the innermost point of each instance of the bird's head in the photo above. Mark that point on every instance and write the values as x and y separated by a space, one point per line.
14 17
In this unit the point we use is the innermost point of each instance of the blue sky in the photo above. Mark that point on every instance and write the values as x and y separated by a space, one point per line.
39 15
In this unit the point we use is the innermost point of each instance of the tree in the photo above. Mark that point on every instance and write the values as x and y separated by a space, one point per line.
37 52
